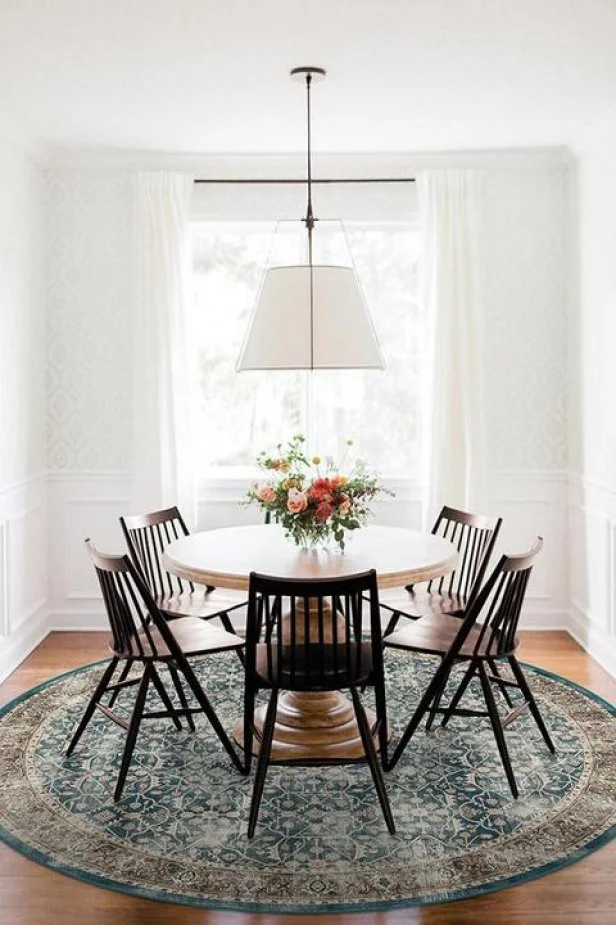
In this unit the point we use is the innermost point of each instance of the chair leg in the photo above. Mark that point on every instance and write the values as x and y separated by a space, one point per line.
263 761
427 698
502 688
457 697
499 735
228 626
186 669
122 677
436 703
532 704
99 690
393 622
373 761
249 710
133 729
381 715
166 700
181 695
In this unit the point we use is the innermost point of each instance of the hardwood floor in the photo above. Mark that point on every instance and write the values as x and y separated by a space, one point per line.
582 894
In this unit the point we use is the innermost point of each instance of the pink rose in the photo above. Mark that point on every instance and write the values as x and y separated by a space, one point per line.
297 501
345 506
323 511
266 494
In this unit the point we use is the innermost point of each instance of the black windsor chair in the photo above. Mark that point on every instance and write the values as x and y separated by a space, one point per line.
142 639
486 635
306 635
147 537
474 536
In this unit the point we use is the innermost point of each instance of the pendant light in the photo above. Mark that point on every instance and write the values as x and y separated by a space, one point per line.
310 316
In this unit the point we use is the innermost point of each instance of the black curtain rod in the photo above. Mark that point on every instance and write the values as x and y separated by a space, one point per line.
303 181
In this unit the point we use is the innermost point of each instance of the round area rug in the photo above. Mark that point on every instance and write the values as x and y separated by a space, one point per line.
321 844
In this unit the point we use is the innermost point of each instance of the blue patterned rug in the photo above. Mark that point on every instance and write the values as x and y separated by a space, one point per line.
321 845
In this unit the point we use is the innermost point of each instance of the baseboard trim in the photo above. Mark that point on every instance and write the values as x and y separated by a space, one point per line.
544 620
69 621
77 622
16 648
600 646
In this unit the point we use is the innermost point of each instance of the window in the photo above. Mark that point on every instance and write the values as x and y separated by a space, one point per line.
241 414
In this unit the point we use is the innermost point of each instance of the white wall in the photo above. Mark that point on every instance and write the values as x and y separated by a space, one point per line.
592 434
23 516
523 204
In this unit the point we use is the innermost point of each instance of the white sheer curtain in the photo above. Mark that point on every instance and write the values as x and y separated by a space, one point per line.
162 451
454 413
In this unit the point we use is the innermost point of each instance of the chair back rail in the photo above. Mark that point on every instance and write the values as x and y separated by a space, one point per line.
130 608
496 608
474 536
310 634
147 537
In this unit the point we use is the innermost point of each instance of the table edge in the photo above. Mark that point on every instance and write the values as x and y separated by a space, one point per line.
238 582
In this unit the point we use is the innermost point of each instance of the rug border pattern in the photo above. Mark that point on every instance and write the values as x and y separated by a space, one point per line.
311 909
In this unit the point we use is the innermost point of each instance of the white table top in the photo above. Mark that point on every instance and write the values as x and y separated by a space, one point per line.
225 558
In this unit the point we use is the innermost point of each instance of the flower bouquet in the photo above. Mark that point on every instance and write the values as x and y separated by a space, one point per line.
310 498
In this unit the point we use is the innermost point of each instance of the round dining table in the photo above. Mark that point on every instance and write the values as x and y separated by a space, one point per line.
309 726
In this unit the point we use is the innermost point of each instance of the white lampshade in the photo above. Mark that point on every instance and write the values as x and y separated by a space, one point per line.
285 333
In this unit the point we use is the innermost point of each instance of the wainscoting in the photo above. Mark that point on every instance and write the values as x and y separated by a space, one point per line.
89 504
23 570
592 562
46 582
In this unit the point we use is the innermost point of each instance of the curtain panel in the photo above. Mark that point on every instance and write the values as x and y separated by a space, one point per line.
162 394
455 466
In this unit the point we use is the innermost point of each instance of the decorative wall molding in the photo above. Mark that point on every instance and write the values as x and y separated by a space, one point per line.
600 646
592 565
4 596
23 569
82 503
592 133
289 165
88 503
16 134
19 645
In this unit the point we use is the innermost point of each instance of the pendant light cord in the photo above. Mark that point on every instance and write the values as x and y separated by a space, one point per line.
310 220
309 213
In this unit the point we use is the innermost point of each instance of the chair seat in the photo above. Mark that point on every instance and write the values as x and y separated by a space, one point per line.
200 603
435 634
422 603
320 671
193 636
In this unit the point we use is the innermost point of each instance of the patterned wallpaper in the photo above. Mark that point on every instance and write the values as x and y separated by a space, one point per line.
523 267
89 321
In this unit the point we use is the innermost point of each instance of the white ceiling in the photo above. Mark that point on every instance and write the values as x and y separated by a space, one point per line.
205 76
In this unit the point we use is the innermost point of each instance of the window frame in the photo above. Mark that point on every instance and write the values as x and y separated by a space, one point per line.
224 484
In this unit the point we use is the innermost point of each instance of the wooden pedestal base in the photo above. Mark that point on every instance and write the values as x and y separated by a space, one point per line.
319 726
